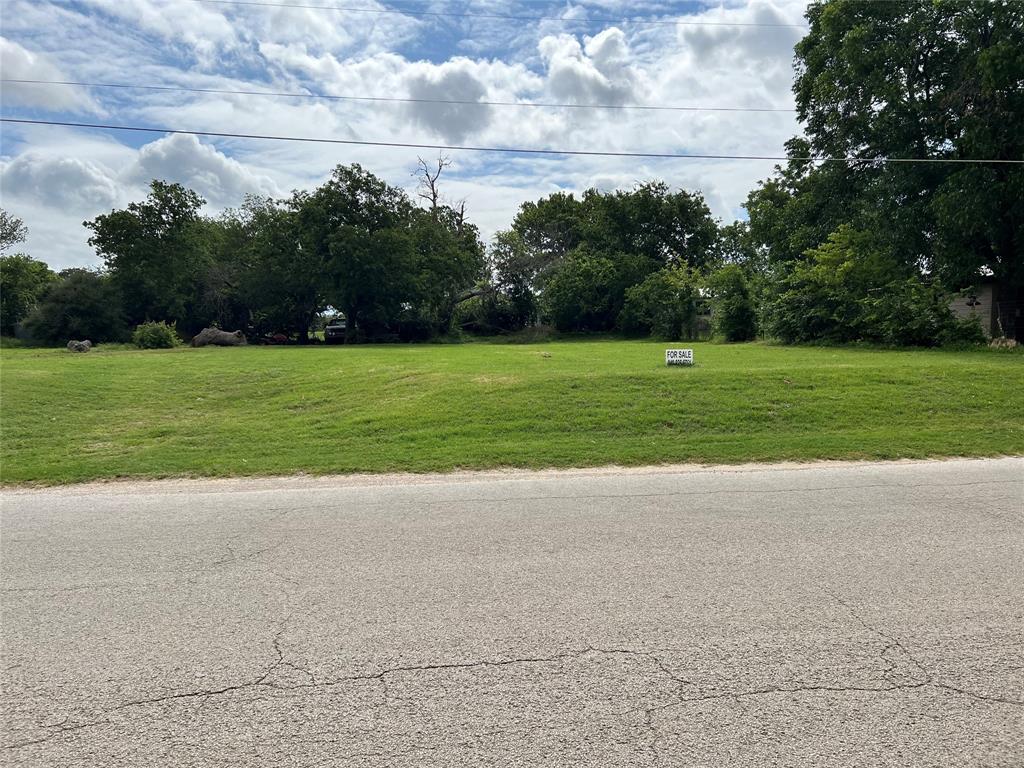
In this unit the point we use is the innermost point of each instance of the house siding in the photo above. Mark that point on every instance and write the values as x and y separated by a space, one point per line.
979 303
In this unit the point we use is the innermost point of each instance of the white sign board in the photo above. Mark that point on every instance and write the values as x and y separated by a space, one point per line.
678 357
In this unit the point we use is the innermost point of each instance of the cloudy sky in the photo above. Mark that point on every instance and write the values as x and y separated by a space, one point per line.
611 52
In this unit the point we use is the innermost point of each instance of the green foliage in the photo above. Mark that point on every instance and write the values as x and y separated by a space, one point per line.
732 304
908 80
640 231
579 297
510 277
283 276
962 332
817 299
12 230
547 231
23 280
665 305
394 270
906 313
489 314
82 305
851 289
272 266
448 260
155 253
155 335
660 227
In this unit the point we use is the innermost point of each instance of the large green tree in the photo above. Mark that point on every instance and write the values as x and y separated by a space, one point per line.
660 226
360 227
579 256
941 80
155 252
23 280
449 263
877 83
282 267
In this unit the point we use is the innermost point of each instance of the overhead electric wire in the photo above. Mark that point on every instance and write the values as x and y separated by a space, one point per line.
499 16
508 150
328 97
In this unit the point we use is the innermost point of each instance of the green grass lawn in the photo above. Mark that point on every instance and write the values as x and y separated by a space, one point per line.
271 410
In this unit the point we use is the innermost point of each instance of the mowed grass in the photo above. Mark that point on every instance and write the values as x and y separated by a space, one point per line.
277 410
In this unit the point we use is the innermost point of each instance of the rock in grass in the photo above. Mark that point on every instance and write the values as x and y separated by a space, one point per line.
1003 343
79 346
218 338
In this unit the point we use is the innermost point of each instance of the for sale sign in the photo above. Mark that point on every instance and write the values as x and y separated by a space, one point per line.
678 357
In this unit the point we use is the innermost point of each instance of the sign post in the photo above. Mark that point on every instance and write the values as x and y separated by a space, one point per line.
678 357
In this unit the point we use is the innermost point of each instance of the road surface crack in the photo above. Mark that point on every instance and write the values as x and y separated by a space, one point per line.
928 678
58 729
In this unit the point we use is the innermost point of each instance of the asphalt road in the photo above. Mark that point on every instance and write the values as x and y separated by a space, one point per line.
857 615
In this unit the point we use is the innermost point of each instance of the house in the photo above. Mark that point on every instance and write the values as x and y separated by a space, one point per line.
978 301
999 310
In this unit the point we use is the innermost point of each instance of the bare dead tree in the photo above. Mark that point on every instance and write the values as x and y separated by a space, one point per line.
429 174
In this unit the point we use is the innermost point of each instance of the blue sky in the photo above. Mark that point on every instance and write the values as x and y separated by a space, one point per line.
601 51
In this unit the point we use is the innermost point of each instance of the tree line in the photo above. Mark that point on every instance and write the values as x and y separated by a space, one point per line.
629 260
854 249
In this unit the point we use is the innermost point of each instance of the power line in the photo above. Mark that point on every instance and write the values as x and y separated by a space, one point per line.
508 150
501 16
292 94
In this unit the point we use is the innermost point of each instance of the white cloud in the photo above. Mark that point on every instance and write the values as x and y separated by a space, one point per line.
61 182
452 81
597 72
291 49
222 180
19 63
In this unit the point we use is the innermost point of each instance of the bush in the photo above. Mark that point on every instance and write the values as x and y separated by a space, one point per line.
83 305
849 289
817 299
665 305
733 307
155 335
962 332
494 313
906 313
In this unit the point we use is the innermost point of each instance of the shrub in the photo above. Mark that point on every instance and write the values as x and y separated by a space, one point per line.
665 305
494 313
82 305
733 306
849 289
817 299
962 332
155 335
905 313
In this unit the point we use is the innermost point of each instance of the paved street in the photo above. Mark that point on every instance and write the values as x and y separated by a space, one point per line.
827 615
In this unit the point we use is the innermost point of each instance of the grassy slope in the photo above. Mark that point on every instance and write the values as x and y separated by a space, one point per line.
265 410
